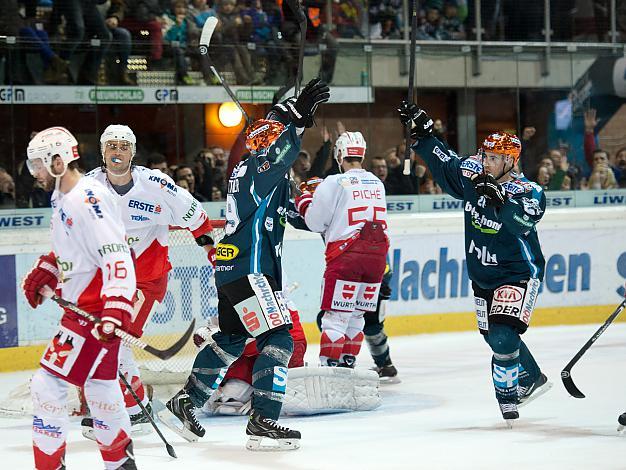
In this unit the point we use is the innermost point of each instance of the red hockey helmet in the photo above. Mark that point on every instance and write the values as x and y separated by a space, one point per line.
263 133
503 143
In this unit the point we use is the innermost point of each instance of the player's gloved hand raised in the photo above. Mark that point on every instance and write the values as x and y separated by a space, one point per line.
303 202
201 335
421 124
486 185
116 314
302 110
44 273
310 185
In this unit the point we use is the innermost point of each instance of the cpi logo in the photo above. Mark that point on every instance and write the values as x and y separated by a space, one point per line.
165 94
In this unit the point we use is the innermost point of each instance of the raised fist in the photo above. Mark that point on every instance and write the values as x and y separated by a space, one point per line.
420 123
312 95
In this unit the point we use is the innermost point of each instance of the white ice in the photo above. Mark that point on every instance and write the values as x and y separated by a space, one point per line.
442 416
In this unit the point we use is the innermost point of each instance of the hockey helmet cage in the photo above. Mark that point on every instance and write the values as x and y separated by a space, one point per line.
49 143
263 133
350 144
503 143
119 132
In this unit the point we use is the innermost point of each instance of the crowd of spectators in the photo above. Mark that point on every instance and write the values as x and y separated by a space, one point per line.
255 40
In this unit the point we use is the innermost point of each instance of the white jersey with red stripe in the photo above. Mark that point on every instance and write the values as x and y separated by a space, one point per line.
342 204
89 242
149 208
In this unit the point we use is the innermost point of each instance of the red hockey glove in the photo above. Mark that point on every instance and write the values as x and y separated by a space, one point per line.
303 202
211 255
44 273
116 314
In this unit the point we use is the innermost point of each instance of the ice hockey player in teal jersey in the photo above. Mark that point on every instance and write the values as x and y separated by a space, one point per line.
248 278
504 257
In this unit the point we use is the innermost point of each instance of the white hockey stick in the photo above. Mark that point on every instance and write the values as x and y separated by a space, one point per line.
205 41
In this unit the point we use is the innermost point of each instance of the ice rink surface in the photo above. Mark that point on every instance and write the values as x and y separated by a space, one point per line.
443 415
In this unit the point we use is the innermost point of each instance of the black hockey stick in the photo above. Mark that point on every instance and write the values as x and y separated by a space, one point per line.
126 337
566 375
168 447
297 10
407 150
205 41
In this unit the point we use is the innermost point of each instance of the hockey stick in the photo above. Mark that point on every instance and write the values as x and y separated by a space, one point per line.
566 375
126 337
297 10
205 41
407 148
168 447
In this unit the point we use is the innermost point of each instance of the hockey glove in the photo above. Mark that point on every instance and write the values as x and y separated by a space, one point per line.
486 185
421 124
201 336
303 202
211 255
44 273
116 314
302 110
310 185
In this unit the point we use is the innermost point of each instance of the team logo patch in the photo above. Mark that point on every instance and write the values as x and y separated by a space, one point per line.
443 156
279 383
531 206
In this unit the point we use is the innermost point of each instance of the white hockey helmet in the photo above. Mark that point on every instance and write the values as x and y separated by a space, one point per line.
49 143
118 132
350 144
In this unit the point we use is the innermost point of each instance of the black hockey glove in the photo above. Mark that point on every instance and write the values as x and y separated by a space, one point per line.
302 110
486 185
421 124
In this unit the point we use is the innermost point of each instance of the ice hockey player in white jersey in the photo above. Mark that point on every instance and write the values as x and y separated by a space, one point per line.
90 265
150 202
350 210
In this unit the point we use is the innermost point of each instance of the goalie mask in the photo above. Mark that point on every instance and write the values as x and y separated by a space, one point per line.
350 145
263 133
51 142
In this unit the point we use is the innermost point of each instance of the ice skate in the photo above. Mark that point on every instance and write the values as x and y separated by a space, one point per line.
260 428
179 415
528 394
622 423
509 413
388 374
348 361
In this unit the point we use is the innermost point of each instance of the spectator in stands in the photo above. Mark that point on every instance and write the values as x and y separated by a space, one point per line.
429 186
346 17
7 189
452 25
564 168
83 22
216 194
549 164
231 36
144 16
185 173
200 11
431 26
203 173
29 193
543 176
176 35
620 167
157 161
397 181
602 176
385 19
378 166
220 167
317 34
120 46
301 167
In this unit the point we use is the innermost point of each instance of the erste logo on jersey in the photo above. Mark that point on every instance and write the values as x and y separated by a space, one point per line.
144 206
93 201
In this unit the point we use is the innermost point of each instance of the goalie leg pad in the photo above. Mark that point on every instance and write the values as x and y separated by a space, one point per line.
269 375
50 419
317 390
211 365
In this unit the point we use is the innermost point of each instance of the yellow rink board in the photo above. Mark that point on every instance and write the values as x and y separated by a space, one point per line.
27 357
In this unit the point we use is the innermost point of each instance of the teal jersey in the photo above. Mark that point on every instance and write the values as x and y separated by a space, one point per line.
501 245
258 206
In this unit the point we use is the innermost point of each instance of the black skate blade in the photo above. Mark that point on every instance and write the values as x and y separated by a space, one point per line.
170 420
536 394
255 444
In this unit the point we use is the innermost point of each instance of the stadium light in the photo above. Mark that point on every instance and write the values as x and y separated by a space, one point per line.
229 114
